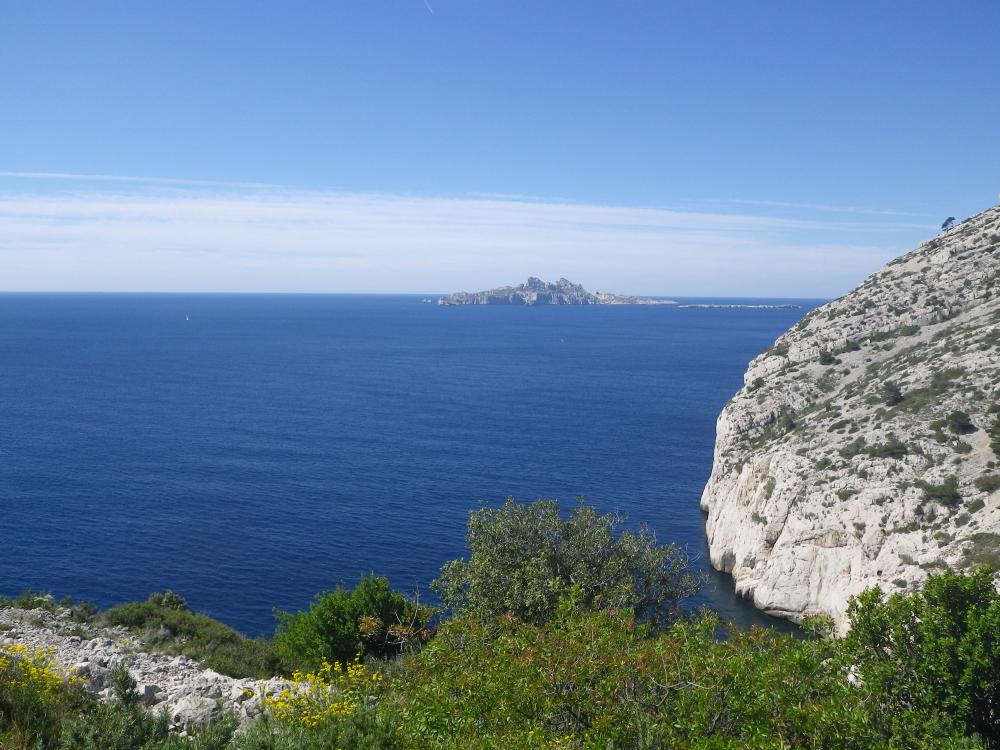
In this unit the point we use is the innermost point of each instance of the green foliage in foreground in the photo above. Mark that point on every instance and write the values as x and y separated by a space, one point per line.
933 652
165 624
558 662
370 619
525 559
595 681
125 725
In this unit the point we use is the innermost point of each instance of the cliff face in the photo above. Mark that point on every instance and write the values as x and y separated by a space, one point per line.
537 292
845 461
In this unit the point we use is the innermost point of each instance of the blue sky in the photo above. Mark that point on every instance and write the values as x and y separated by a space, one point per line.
736 148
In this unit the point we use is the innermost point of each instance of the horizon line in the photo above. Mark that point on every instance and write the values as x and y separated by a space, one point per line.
175 292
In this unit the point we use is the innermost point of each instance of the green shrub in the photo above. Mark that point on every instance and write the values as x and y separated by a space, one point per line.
985 550
364 729
893 447
769 486
589 680
34 700
941 380
853 448
170 600
826 358
933 653
994 433
525 558
988 483
370 619
960 423
890 393
27 599
123 724
946 493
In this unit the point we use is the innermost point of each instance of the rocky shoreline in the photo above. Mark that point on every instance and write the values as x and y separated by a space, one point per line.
186 692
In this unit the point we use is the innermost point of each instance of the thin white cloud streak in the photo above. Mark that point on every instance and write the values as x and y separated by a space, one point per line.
282 239
133 179
815 207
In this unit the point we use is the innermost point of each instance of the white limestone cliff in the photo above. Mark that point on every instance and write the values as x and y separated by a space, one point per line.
821 486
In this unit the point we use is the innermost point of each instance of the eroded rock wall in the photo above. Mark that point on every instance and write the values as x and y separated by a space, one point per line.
821 485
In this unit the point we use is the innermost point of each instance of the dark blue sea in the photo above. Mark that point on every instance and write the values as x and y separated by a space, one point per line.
248 451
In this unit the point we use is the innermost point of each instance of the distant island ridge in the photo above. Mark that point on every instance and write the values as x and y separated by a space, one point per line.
564 292
537 292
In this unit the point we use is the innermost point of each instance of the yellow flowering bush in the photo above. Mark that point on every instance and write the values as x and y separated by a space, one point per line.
34 670
333 692
33 697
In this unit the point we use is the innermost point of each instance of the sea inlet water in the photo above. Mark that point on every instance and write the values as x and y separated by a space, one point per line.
249 451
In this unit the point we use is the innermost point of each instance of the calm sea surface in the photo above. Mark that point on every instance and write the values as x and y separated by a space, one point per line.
249 451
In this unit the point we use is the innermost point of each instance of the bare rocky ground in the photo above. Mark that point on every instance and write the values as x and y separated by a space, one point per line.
185 691
823 484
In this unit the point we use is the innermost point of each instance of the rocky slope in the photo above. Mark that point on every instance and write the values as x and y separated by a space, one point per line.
186 692
537 292
846 460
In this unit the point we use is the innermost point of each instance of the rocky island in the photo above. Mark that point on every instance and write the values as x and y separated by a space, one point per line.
537 292
863 447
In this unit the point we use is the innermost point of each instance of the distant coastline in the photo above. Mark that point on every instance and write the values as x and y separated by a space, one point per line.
537 292
740 306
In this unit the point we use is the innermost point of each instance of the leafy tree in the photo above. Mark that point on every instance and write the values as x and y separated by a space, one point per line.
948 224
934 654
525 558
371 619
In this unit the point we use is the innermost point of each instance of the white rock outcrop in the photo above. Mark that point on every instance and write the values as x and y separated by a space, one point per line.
188 693
821 485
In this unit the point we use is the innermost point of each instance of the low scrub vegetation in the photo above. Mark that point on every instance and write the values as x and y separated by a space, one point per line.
988 483
165 624
576 641
945 493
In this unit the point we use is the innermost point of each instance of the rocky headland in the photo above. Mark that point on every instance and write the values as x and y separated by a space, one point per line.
862 449
179 687
537 292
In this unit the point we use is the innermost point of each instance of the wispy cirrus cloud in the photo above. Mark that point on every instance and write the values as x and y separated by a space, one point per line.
814 207
107 232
